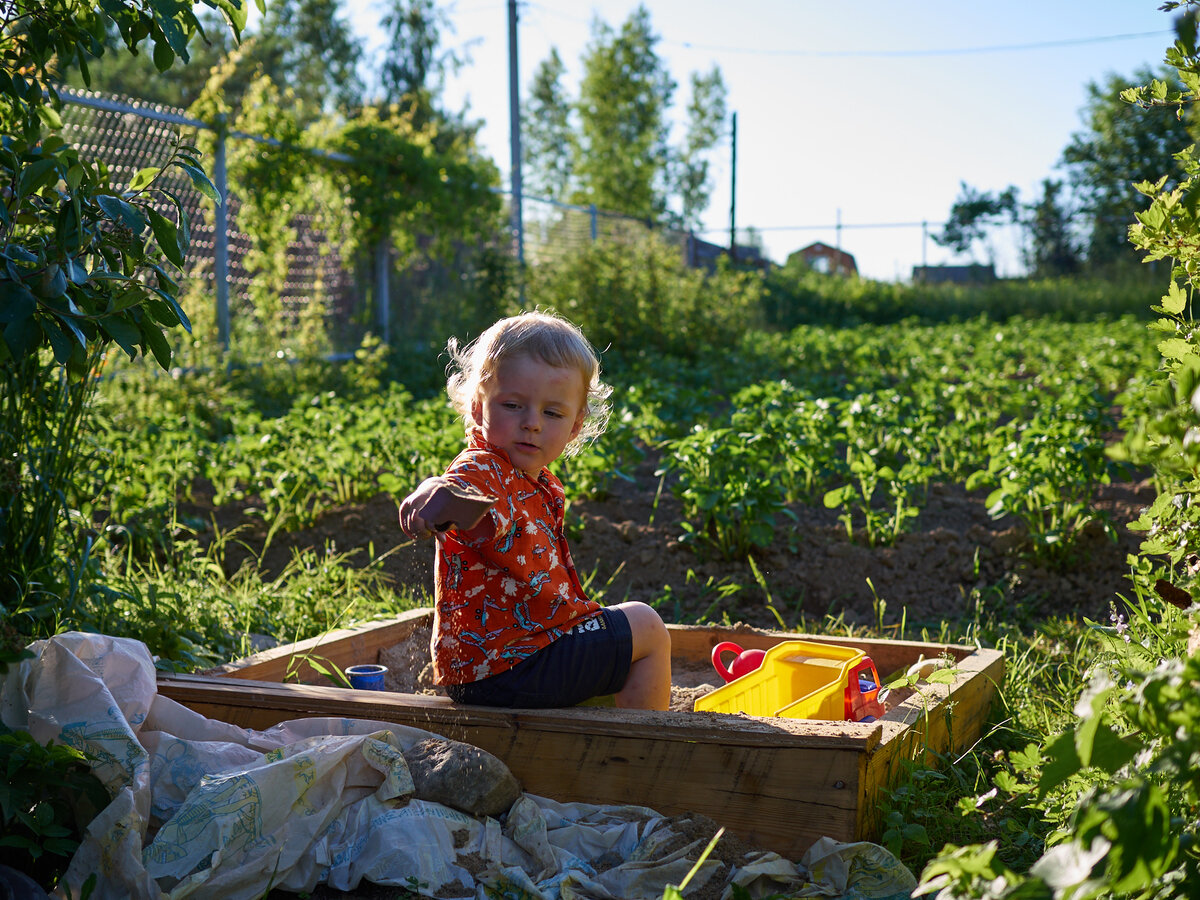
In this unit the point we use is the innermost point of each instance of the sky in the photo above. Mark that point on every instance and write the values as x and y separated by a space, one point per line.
858 114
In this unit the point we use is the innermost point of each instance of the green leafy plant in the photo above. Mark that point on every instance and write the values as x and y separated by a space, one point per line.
897 832
324 667
728 488
856 500
1042 471
714 593
1133 831
48 795
1125 768
807 431
591 472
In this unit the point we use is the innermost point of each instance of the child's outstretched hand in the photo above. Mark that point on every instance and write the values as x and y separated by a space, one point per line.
411 507
437 504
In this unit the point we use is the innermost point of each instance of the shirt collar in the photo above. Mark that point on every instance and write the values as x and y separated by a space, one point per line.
476 441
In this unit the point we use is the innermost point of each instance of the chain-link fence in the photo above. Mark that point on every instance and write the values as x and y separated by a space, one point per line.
358 294
129 135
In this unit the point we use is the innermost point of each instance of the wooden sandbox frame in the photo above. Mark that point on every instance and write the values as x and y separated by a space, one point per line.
776 783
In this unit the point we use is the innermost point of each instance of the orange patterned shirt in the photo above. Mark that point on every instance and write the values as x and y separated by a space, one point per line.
508 587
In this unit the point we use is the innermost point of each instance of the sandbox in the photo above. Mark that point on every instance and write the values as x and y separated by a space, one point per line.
776 783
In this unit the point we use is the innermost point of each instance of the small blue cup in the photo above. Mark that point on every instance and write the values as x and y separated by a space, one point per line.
367 677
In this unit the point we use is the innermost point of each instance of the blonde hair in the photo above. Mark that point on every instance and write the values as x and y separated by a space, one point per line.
540 335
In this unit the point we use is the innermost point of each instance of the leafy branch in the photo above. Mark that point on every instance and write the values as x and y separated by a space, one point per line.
84 263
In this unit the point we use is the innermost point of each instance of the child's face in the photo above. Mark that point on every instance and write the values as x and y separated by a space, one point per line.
531 410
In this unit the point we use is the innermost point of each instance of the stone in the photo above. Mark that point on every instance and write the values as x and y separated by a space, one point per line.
461 776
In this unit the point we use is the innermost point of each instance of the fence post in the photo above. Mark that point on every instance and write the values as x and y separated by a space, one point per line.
592 217
383 306
221 238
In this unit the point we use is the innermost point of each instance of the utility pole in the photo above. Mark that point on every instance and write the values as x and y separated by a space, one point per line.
733 193
514 129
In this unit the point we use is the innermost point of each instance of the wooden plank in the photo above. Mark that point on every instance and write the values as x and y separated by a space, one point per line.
940 719
691 644
947 717
756 794
779 784
343 647
262 704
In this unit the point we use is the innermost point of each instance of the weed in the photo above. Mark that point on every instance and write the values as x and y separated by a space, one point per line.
714 591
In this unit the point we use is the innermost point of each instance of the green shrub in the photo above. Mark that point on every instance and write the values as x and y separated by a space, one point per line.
796 295
640 299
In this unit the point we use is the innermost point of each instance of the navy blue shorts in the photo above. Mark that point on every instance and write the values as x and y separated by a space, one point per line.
590 660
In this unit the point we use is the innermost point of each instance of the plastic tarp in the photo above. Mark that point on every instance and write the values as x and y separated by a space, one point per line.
201 808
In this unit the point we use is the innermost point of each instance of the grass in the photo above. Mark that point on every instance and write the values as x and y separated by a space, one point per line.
1044 675
232 614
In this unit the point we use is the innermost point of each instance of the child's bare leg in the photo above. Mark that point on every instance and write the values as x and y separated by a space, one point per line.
649 683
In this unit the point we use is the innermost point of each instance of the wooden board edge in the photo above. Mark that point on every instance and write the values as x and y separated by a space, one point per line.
694 643
205 694
949 719
343 647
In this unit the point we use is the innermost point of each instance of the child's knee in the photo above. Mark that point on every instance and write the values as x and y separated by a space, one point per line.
650 633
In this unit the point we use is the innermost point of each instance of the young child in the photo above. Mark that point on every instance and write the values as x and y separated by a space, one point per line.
512 626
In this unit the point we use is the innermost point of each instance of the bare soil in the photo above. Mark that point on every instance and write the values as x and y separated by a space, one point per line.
952 560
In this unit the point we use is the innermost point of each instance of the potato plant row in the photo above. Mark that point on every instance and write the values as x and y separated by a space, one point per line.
860 420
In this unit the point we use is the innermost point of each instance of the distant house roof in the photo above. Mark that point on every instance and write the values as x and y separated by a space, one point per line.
702 254
975 273
828 260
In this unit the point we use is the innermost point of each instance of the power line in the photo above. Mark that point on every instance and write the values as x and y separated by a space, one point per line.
843 226
871 54
948 51
847 226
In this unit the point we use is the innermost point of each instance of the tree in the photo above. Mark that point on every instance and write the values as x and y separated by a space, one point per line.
414 64
1053 247
546 133
134 74
86 263
973 213
413 74
706 126
623 158
1120 145
304 46
611 145
307 47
